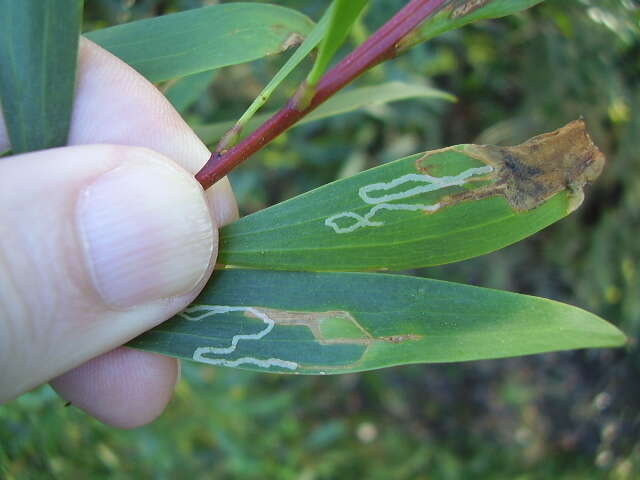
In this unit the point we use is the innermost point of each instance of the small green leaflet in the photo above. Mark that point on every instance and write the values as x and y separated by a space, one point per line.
38 51
313 38
343 14
328 323
427 209
343 102
201 39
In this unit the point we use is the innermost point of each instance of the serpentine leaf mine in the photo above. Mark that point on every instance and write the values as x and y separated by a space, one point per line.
526 175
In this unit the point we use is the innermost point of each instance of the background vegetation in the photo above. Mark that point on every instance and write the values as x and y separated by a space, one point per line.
565 415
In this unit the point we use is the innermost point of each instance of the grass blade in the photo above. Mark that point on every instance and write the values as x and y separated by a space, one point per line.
463 12
312 40
319 323
343 102
233 130
343 14
38 51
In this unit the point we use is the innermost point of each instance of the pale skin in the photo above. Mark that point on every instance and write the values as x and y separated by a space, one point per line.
58 323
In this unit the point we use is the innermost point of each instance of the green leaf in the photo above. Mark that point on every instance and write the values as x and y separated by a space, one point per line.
463 12
428 209
207 38
327 323
183 92
312 40
342 102
343 14
38 51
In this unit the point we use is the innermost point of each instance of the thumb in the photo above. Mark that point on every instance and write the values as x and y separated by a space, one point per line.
97 244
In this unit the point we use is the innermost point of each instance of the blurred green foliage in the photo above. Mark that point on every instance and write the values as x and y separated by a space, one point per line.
560 416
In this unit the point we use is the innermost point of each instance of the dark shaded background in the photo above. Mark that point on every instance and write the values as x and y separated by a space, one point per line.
565 415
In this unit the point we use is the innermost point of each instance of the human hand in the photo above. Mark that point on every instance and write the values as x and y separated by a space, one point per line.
99 243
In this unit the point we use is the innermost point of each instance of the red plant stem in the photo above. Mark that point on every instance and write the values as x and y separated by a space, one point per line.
381 46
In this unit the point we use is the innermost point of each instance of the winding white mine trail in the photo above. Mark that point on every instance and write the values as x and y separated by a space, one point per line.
198 354
430 184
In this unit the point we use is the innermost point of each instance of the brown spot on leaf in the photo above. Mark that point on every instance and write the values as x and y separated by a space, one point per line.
460 8
529 174
312 321
401 338
293 40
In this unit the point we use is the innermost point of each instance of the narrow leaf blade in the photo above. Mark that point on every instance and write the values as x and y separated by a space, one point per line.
38 51
328 323
309 43
206 38
428 209
343 14
462 12
343 102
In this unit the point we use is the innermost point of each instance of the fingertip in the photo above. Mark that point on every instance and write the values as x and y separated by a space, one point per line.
222 202
124 388
108 91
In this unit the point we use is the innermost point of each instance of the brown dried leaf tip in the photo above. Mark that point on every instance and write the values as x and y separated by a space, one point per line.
529 174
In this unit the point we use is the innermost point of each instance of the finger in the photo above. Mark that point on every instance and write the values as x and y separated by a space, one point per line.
141 381
114 104
4 138
97 244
